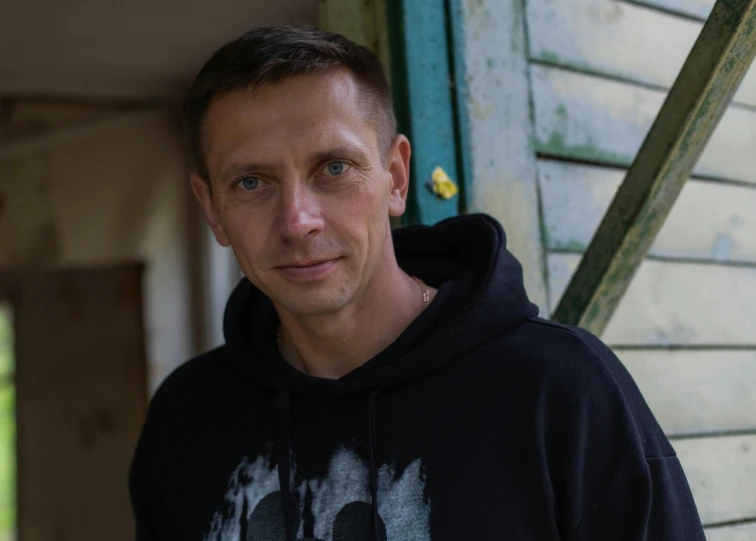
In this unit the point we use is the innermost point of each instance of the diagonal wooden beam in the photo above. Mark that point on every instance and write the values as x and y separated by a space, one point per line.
695 104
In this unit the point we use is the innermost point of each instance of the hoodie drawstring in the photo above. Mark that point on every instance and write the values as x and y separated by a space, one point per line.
374 518
283 464
284 468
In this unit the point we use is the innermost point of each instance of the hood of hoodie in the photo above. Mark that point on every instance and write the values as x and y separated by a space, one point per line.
488 297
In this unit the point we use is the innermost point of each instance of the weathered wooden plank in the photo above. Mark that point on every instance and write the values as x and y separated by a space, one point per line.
708 221
502 156
696 391
722 476
590 118
739 532
696 103
618 39
421 76
676 303
693 8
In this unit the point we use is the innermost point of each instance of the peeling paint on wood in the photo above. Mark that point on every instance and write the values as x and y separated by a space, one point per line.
708 221
694 8
696 103
501 131
421 76
607 121
737 532
671 304
636 43
721 472
713 391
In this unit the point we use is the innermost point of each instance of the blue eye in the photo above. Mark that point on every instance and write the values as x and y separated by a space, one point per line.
249 183
335 168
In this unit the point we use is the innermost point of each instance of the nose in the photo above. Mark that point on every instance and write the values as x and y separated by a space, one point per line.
299 212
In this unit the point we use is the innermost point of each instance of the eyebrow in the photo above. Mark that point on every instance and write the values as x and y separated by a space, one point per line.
335 153
339 152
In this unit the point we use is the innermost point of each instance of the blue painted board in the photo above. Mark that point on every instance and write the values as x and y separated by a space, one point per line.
424 99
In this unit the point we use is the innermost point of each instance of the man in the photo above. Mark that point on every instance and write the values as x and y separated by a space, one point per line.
378 386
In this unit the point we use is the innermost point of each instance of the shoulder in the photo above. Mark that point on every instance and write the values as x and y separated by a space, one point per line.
199 387
195 376
192 391
564 351
578 375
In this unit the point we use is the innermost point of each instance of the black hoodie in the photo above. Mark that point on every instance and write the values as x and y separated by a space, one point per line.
480 422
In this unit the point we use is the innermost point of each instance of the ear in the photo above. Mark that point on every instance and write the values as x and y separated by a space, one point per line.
201 189
398 163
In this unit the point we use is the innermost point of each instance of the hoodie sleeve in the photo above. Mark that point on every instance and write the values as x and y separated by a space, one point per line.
144 486
652 504
138 491
614 473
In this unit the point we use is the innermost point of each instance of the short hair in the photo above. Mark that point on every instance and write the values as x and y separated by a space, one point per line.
271 54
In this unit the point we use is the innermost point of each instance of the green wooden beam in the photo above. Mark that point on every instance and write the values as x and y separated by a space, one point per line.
422 74
703 90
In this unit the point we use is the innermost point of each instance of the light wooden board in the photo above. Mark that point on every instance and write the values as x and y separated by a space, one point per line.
694 391
740 532
721 472
708 221
676 303
619 39
693 8
501 131
585 117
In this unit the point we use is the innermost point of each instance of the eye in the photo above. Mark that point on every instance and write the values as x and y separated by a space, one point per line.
249 183
335 168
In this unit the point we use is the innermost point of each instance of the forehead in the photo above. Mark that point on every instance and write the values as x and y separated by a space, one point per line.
301 111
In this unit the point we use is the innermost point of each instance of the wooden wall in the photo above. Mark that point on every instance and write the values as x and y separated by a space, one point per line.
686 329
120 197
560 95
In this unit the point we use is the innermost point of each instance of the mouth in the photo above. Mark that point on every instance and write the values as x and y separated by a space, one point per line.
299 271
304 264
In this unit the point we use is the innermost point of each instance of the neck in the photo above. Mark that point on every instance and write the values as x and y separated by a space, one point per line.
332 345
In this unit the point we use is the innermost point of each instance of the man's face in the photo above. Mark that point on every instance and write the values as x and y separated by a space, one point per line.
301 189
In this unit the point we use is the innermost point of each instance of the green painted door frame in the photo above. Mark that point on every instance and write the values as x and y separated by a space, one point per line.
427 77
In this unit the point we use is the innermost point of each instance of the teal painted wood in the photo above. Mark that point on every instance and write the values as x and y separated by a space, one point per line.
421 78
461 95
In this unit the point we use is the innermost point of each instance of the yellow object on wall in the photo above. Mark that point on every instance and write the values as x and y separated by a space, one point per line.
442 185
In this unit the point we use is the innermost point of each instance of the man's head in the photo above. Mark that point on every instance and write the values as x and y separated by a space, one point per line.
293 134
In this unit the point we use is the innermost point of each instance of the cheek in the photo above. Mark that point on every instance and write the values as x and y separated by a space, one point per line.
247 235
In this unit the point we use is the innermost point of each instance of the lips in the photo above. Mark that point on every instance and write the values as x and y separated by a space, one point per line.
307 271
306 264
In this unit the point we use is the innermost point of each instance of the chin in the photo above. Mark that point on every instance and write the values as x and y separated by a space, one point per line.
315 303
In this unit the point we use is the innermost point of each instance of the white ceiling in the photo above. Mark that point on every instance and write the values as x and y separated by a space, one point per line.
119 49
